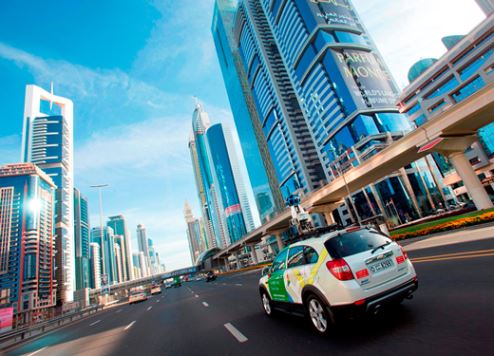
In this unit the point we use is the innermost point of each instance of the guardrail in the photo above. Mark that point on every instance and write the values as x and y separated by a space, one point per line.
13 337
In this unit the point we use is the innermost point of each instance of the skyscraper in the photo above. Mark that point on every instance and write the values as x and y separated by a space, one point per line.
152 257
118 259
204 179
136 261
487 6
254 147
224 180
327 102
142 244
119 226
27 243
291 147
220 184
194 234
47 141
95 265
144 264
81 240
105 238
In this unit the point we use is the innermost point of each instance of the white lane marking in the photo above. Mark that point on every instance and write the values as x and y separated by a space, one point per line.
237 334
130 325
96 322
239 284
224 284
205 304
35 352
118 311
197 296
157 301
149 308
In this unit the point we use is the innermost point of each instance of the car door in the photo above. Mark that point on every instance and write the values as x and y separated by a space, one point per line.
295 273
276 280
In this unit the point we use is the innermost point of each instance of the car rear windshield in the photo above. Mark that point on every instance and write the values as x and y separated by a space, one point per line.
351 243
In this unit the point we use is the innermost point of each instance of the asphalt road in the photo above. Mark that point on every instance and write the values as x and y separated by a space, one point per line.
452 313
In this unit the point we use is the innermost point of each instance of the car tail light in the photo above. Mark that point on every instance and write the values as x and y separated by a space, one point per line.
360 302
340 269
403 257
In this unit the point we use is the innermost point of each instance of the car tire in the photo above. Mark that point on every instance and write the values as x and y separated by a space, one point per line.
267 304
319 314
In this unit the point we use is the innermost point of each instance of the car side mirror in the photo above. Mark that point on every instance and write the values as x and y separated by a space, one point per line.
266 270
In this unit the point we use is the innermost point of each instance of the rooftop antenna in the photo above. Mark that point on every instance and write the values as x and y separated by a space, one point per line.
51 96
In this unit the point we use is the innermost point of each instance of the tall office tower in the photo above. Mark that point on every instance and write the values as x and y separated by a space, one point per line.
232 212
119 226
143 262
118 260
27 242
95 265
487 6
253 142
194 234
204 179
81 240
291 147
348 96
142 244
152 257
105 238
47 141
136 262
158 262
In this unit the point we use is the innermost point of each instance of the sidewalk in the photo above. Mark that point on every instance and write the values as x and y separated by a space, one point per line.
473 233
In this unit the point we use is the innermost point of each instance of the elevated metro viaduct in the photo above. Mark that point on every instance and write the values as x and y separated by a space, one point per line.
449 133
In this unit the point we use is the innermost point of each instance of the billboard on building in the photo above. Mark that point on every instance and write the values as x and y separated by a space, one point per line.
366 77
335 12
6 319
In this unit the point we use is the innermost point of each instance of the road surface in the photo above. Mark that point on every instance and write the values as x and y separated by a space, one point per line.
452 313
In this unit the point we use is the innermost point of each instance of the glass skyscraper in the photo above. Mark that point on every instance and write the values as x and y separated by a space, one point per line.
325 101
81 239
194 234
47 141
219 182
27 242
291 148
259 166
142 245
119 226
105 238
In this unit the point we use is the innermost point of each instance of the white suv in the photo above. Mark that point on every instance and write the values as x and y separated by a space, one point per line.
347 272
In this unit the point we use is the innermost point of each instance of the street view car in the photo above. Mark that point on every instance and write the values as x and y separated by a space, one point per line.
343 273
137 295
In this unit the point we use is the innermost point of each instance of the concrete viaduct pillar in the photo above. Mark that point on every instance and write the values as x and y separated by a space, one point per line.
253 254
470 180
279 241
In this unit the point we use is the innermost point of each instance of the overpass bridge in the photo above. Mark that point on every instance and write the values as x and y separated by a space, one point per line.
449 132
125 286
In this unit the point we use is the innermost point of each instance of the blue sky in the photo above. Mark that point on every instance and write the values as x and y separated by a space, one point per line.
132 67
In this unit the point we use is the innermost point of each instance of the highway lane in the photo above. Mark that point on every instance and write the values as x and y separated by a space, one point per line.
452 313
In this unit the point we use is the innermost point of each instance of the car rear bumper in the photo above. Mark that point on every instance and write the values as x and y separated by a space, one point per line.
375 302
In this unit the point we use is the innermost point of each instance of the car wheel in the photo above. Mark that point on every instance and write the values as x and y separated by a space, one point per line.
266 304
319 314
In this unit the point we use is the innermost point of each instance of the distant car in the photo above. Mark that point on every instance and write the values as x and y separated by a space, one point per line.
155 290
210 276
137 297
343 273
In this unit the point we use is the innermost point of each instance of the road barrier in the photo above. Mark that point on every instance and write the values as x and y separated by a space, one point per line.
18 335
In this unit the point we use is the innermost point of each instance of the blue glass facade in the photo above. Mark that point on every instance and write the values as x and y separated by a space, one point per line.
27 241
259 166
81 239
290 146
347 92
223 174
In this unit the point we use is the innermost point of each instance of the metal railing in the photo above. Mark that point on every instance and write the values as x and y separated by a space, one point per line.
17 335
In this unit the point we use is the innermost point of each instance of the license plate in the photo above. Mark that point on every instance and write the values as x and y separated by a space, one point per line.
380 266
